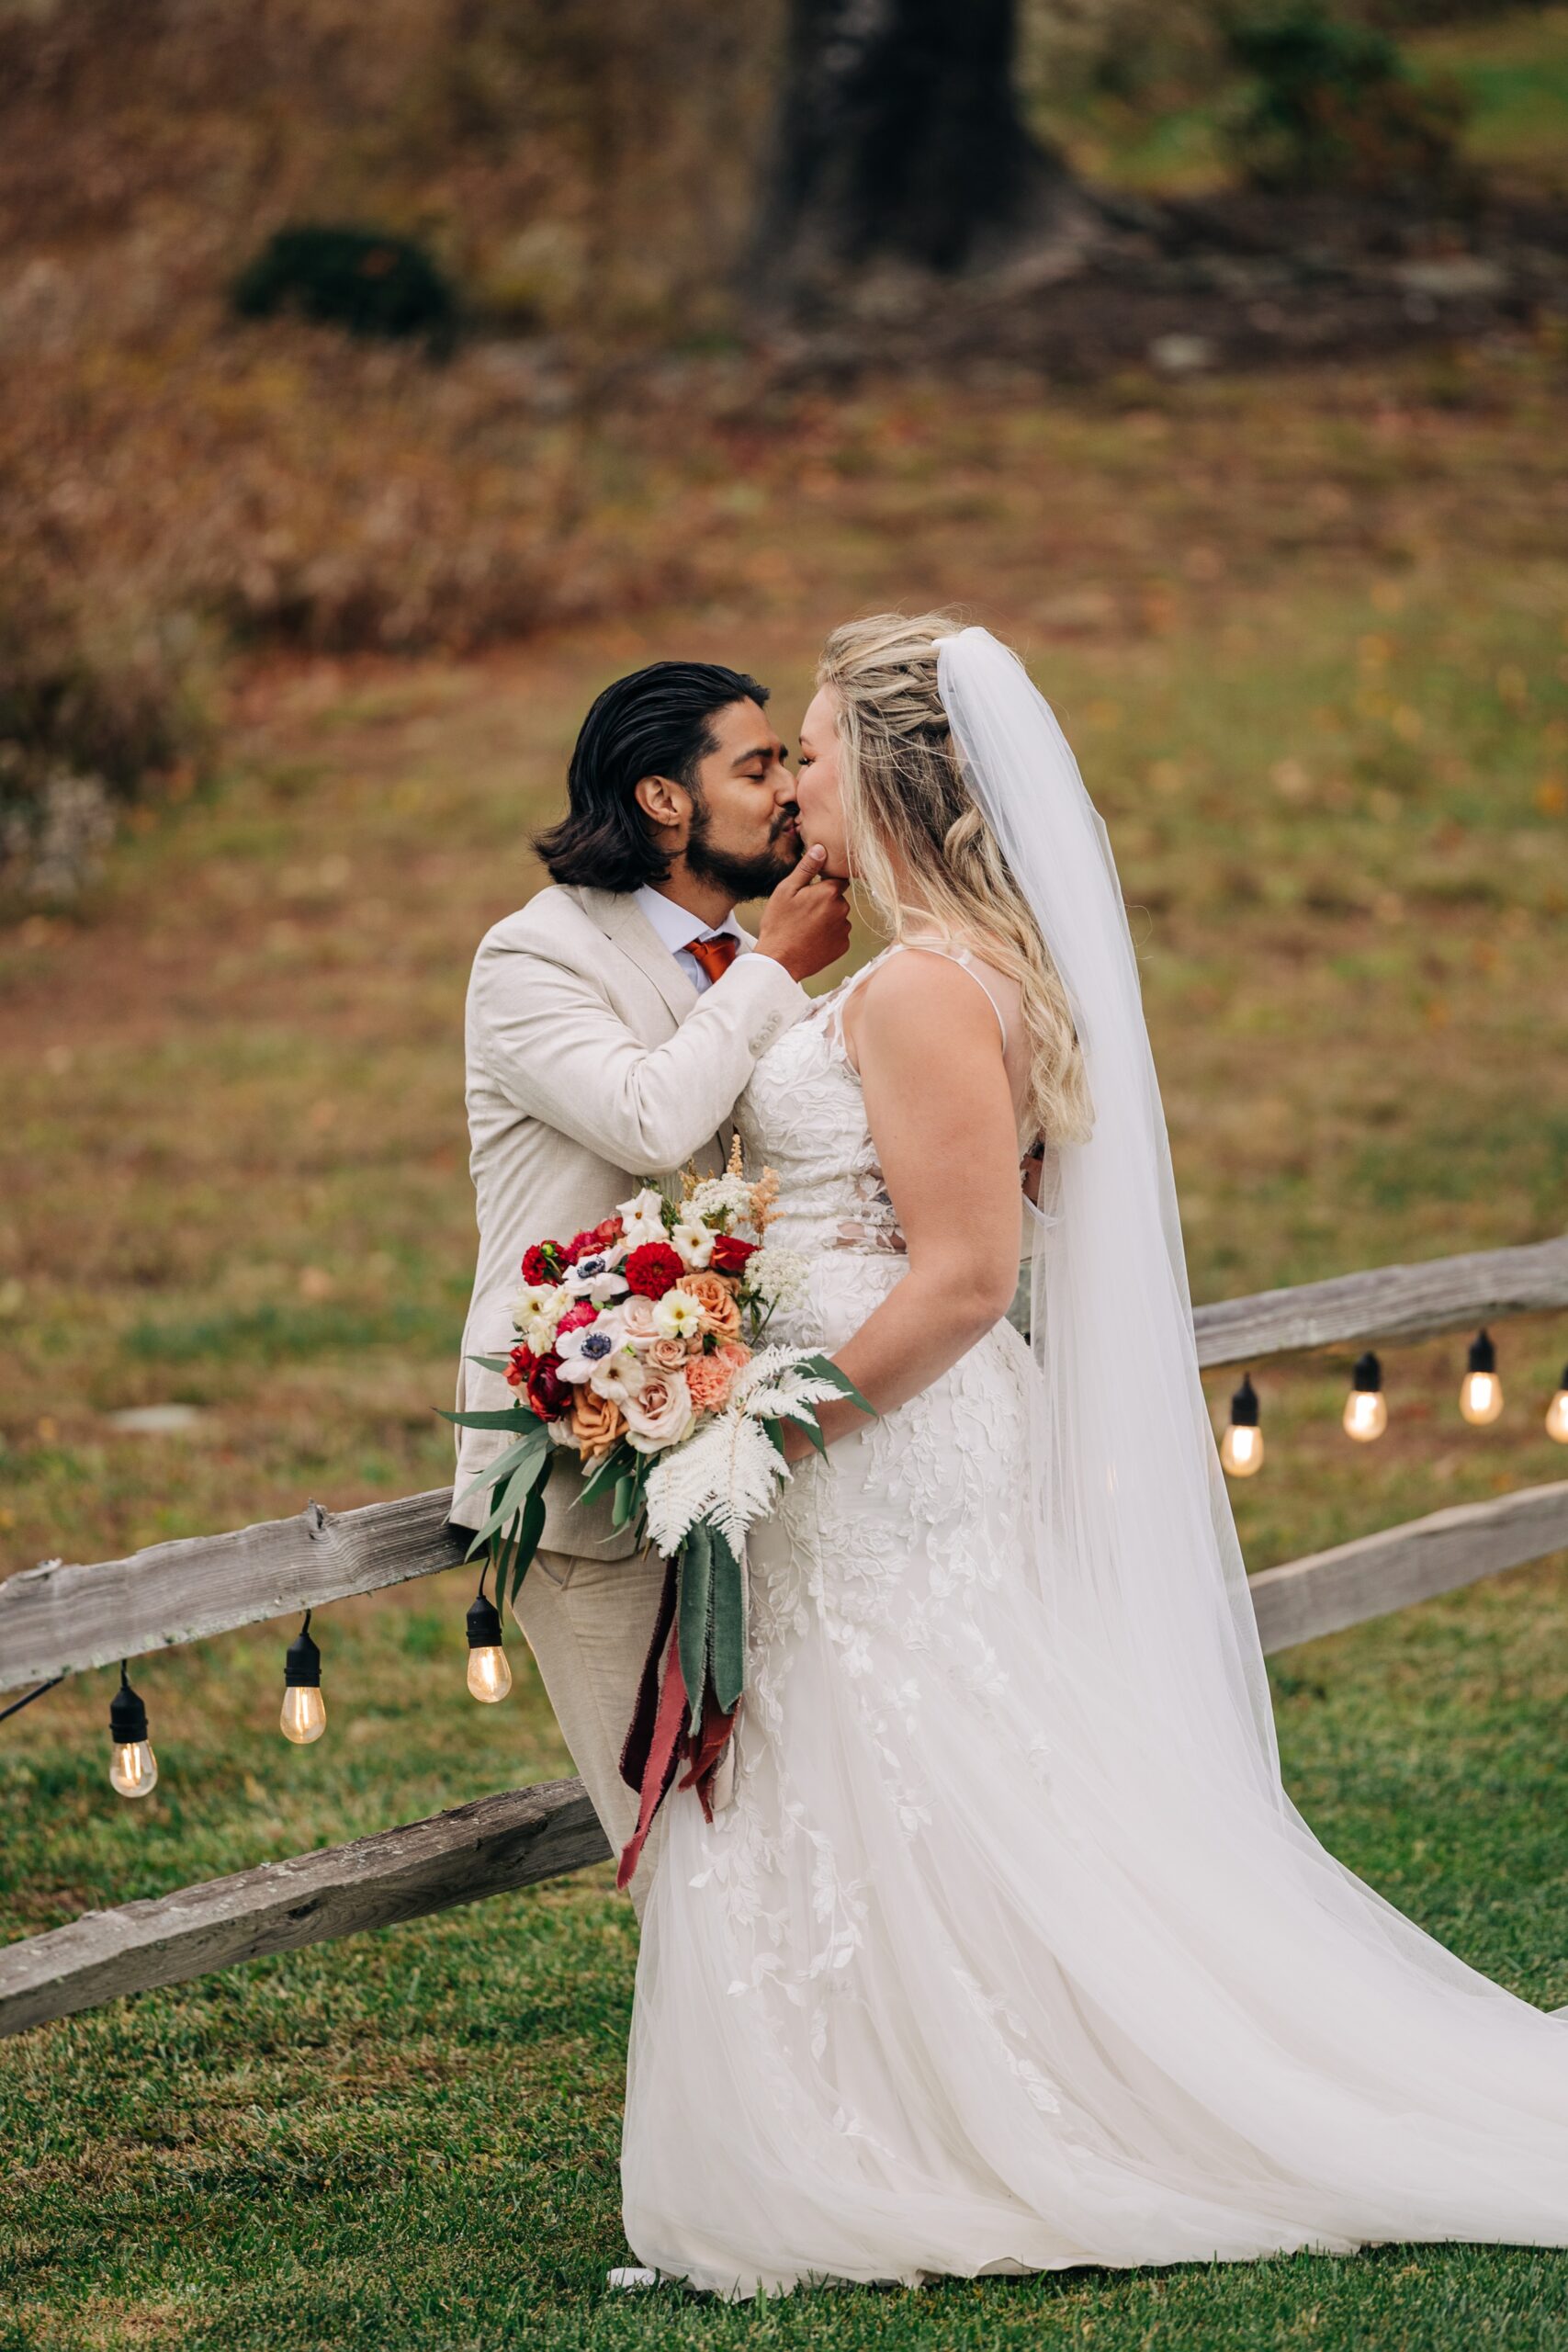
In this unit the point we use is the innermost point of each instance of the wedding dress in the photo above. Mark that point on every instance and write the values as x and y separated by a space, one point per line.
1008 1951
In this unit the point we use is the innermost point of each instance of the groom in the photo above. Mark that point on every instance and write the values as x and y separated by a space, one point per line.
612 1024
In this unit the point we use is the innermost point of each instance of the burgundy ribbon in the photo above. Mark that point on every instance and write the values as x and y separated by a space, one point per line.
659 1738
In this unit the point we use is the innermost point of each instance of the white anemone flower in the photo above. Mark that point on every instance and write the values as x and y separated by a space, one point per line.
594 1277
620 1374
678 1315
582 1351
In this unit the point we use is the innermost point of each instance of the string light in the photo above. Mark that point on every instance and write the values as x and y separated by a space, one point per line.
1366 1407
490 1677
304 1716
1241 1448
1557 1412
1481 1391
133 1768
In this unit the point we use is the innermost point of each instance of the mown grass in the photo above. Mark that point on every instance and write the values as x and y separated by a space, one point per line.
1308 638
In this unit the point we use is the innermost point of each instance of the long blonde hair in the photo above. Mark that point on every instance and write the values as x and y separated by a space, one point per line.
908 813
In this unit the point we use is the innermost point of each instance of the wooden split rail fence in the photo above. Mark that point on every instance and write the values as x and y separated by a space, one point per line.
59 1620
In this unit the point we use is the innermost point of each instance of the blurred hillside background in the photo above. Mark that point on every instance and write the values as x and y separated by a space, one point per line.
378 383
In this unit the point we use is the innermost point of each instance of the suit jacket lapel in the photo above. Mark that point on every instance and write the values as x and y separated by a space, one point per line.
621 920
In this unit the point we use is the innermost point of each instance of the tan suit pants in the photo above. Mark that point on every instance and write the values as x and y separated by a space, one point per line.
589 1624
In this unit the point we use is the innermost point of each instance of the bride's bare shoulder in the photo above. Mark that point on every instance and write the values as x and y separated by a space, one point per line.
923 989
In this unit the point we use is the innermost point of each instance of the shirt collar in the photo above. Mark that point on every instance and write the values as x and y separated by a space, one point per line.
677 926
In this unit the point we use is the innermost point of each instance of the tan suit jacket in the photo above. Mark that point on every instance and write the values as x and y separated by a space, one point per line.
593 1065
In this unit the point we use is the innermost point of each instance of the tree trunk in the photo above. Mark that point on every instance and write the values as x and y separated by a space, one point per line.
900 141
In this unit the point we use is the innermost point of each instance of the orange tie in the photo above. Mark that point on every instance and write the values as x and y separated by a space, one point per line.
715 954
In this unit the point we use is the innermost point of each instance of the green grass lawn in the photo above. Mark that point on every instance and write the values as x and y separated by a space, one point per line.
1308 637
1513 70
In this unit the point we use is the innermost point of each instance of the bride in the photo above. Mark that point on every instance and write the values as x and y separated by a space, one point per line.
1010 1950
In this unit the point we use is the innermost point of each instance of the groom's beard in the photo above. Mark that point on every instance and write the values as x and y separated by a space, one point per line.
743 878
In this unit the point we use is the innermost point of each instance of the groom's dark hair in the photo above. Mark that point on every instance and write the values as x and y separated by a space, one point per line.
657 722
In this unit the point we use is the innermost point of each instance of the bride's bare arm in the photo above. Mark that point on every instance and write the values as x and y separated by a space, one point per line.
940 1113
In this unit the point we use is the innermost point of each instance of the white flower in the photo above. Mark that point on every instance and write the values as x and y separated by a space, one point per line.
619 1374
583 1351
777 1275
677 1315
726 1197
538 1301
694 1244
642 1218
594 1277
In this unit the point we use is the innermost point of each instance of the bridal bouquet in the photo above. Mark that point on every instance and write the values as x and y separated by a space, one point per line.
641 1356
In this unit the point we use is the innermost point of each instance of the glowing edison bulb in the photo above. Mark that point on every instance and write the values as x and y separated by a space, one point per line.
1557 1412
1241 1447
1481 1391
304 1716
1366 1409
490 1677
1366 1414
134 1769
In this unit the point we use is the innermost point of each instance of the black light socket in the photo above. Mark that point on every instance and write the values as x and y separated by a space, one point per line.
1244 1405
127 1716
484 1623
302 1661
1368 1373
1483 1354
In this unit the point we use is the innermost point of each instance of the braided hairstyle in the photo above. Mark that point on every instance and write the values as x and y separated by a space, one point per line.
921 847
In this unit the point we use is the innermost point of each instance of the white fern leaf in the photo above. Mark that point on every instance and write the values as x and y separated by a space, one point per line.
726 1473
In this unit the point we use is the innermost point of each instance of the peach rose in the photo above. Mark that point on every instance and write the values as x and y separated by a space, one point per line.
721 1313
660 1414
710 1379
665 1355
635 1315
596 1423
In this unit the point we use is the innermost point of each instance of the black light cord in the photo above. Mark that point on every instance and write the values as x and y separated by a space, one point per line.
18 1704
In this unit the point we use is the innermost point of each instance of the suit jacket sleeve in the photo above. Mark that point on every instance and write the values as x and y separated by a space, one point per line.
560 1052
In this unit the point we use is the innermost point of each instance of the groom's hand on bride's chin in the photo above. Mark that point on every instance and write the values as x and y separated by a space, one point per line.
807 923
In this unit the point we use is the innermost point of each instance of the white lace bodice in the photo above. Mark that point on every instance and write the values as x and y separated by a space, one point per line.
804 1115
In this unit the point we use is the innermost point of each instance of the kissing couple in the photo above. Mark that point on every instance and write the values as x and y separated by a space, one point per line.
1003 1948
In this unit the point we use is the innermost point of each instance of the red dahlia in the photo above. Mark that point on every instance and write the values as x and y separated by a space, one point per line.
731 1253
653 1270
542 1264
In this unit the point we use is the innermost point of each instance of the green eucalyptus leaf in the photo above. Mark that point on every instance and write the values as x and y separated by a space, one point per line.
728 1582
511 1417
827 1369
691 1605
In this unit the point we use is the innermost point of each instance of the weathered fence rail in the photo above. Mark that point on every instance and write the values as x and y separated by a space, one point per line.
525 1835
64 1620
58 1620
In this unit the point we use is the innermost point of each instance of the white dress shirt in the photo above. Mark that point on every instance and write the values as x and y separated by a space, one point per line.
677 927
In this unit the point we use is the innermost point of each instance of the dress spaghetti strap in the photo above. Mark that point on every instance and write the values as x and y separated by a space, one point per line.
963 958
